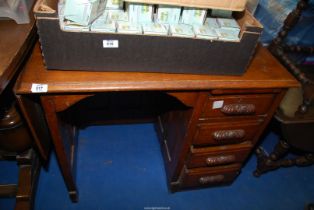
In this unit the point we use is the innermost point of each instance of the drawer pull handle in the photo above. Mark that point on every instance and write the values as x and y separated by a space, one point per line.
218 160
238 109
228 134
211 179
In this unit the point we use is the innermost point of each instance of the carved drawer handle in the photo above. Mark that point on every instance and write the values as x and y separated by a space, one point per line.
211 179
238 109
218 160
228 134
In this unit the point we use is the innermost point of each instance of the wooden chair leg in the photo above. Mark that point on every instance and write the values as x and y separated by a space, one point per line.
29 169
280 150
276 159
270 162
24 191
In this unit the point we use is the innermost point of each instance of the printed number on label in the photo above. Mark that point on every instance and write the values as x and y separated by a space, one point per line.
39 88
110 43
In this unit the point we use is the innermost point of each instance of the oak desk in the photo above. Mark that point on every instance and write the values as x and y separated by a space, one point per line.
208 125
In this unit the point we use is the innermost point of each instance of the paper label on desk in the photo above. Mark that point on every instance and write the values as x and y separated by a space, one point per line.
218 104
39 88
110 43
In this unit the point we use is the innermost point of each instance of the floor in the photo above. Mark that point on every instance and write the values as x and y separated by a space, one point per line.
120 167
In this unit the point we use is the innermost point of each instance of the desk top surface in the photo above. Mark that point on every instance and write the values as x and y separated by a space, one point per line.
14 42
264 72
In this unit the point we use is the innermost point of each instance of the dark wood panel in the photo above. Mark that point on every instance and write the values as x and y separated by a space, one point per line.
204 177
173 127
213 156
17 41
34 116
237 105
225 133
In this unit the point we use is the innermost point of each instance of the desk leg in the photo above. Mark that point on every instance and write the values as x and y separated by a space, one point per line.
64 147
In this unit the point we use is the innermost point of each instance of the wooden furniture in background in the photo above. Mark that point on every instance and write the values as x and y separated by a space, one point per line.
207 125
16 42
296 131
281 51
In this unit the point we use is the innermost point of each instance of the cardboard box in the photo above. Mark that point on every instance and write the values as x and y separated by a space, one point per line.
144 53
233 5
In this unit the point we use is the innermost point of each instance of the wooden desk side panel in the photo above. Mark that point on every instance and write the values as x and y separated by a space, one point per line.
176 130
172 128
34 116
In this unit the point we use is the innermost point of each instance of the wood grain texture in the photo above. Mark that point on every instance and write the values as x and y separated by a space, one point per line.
264 72
15 41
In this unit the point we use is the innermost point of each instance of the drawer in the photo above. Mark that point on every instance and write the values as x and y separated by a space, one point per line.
237 105
225 133
214 156
204 177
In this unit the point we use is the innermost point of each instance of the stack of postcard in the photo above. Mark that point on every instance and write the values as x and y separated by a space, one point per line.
193 16
168 14
114 4
140 13
229 29
116 15
129 28
104 25
181 30
83 12
205 32
155 29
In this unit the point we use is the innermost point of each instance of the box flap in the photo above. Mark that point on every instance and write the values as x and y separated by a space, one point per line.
46 8
233 5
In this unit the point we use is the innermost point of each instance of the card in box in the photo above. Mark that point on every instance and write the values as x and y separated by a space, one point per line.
227 34
205 32
144 53
116 15
72 26
193 16
83 12
168 14
140 13
181 30
114 4
129 28
104 25
212 23
155 29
